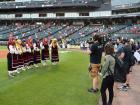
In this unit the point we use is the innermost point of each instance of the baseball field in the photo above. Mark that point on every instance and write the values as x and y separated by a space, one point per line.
62 84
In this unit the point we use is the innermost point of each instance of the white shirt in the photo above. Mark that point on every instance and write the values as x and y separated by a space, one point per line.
11 49
42 46
28 48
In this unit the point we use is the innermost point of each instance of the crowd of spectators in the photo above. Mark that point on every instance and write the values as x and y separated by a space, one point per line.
120 57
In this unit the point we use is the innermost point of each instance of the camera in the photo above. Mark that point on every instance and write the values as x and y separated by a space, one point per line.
102 39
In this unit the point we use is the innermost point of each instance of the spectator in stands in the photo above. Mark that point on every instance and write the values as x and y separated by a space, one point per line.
86 45
115 46
108 74
95 52
81 45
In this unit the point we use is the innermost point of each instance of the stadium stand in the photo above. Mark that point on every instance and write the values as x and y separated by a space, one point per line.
35 4
76 33
66 20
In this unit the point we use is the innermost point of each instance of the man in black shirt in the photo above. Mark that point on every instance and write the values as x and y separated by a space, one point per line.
95 52
127 64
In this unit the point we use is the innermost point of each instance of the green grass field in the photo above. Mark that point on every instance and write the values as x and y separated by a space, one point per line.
3 47
63 84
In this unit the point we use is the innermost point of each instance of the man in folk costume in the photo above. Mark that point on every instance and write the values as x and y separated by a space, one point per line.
37 58
44 51
20 55
29 46
54 52
11 62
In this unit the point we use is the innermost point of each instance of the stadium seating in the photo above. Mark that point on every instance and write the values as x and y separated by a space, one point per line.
131 31
67 31
30 4
74 33
86 33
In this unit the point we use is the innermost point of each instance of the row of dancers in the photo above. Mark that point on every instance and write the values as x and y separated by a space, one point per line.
26 54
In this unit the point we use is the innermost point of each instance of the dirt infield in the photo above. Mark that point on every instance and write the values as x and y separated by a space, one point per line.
3 54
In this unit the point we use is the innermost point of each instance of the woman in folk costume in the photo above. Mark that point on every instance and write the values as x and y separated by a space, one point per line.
25 54
11 61
29 46
20 55
54 52
44 51
28 53
37 58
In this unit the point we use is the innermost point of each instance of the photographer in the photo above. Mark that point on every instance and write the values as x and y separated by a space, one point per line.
95 52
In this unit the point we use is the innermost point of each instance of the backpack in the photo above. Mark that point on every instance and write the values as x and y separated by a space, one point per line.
119 74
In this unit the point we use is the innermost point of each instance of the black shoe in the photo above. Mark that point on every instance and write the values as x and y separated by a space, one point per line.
91 90
127 86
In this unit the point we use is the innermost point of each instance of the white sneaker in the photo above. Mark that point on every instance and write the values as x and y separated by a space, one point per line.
44 64
10 75
31 66
23 68
17 72
28 67
53 63
35 65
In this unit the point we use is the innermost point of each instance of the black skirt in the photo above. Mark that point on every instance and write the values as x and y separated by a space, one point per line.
37 58
20 60
31 58
45 54
12 62
25 58
54 55
9 62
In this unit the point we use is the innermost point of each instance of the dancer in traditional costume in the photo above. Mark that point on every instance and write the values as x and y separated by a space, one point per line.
11 62
44 51
37 56
29 46
25 54
28 53
54 52
19 48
